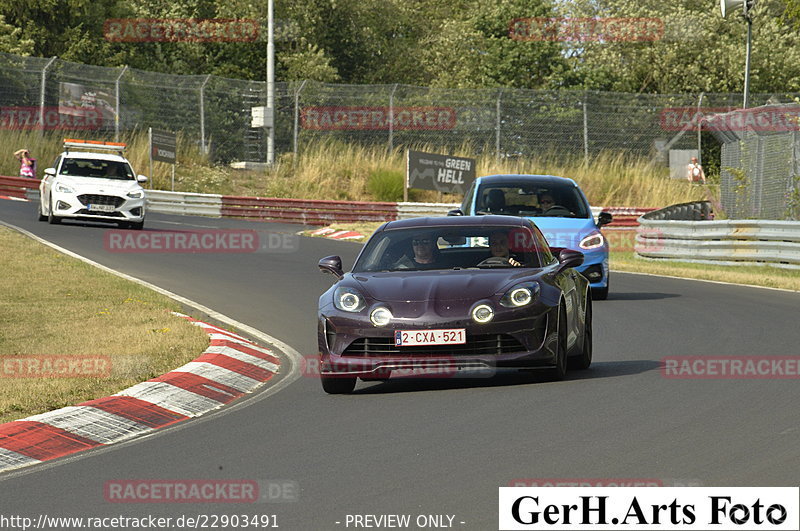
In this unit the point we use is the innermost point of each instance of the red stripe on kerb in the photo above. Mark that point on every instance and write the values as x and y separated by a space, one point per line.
245 349
137 410
232 364
199 385
41 441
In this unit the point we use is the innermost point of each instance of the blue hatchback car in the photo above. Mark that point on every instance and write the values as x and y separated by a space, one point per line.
557 206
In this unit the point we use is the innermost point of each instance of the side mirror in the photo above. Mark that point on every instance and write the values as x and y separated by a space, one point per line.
604 219
50 171
455 212
333 265
141 178
569 258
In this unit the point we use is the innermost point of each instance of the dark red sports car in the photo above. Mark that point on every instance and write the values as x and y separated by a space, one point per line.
454 294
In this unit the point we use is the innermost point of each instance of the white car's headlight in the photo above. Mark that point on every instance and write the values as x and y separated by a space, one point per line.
348 300
520 295
593 241
135 194
64 189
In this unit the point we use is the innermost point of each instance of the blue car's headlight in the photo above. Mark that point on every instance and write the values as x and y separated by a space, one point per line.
520 295
348 300
593 241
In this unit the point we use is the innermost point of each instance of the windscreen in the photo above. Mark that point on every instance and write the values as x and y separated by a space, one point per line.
532 200
449 248
102 169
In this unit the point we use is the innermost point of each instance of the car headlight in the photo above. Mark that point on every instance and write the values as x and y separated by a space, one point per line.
520 295
64 189
136 194
482 313
380 316
348 300
592 241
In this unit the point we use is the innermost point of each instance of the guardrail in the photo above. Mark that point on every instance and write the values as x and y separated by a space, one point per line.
19 187
729 242
184 204
310 212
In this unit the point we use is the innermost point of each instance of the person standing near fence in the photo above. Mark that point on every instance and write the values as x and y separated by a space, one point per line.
27 165
695 173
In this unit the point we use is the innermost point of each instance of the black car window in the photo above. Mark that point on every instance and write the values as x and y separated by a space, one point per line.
102 169
466 204
442 248
529 200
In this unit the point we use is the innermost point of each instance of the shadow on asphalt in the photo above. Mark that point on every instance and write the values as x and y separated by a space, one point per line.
505 378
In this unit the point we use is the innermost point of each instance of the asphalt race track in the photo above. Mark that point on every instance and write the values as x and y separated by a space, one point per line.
440 447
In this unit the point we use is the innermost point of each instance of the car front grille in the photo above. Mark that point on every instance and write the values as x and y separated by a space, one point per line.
87 212
478 345
93 199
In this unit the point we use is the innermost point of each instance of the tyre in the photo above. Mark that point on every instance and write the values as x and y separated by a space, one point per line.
601 294
52 219
560 370
583 361
338 385
42 217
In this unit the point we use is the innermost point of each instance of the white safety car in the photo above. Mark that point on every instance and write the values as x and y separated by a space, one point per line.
92 181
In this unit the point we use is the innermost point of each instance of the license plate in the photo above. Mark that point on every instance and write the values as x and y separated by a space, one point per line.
412 338
101 208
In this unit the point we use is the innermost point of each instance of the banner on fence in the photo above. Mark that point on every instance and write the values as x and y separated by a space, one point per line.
443 173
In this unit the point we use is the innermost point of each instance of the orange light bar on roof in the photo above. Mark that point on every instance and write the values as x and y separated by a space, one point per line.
93 144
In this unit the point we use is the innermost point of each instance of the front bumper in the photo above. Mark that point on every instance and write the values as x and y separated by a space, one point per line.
595 267
100 207
351 346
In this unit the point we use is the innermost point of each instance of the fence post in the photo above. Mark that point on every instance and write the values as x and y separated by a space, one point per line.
42 94
699 129
203 116
116 110
297 113
585 131
497 126
391 118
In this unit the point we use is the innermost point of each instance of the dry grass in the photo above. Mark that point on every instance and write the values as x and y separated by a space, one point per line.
340 171
55 305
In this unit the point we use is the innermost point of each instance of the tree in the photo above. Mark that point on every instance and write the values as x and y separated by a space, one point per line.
695 50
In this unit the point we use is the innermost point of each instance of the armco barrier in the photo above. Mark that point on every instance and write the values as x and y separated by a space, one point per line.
310 212
730 242
184 204
19 187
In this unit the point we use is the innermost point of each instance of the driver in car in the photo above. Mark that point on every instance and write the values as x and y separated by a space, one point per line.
426 254
498 246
